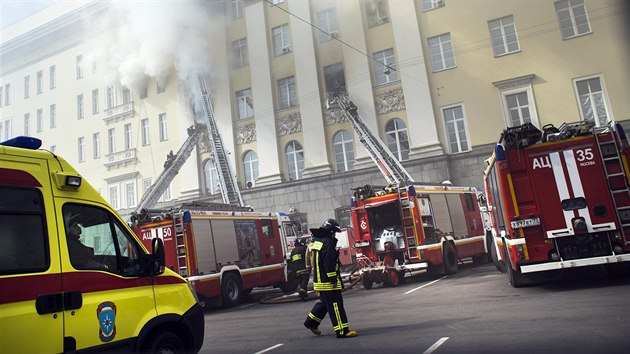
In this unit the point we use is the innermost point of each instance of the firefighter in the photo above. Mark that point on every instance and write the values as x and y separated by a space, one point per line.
298 258
327 281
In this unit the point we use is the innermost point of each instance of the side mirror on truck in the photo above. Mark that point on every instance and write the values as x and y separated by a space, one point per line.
158 260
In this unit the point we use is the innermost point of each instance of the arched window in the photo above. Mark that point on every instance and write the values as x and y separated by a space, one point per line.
211 176
397 140
295 160
344 151
250 166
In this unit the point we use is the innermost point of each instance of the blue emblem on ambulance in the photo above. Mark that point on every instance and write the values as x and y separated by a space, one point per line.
106 314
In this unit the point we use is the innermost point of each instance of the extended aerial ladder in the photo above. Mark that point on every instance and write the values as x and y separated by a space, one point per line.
389 166
171 168
229 187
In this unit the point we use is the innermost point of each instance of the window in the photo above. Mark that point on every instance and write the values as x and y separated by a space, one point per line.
245 104
113 196
111 139
397 140
81 145
593 100
503 36
237 9
166 196
572 18
79 65
96 145
130 193
385 62
295 160
23 228
211 177
40 82
455 124
160 87
1 95
517 99
239 53
163 131
7 94
5 129
111 97
442 55
250 166
128 136
27 118
327 22
144 124
53 116
40 120
343 147
94 101
376 11
126 95
335 79
431 4
53 77
276 2
96 240
518 108
80 106
287 92
281 40
146 184
27 86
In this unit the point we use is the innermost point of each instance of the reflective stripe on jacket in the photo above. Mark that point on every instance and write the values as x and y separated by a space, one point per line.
326 265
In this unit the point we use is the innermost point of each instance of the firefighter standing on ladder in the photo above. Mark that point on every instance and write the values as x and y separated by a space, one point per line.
327 281
298 257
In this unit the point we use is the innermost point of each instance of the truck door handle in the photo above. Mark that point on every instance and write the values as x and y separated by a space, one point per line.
49 303
72 300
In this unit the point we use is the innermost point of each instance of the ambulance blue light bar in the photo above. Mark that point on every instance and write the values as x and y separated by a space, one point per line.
25 142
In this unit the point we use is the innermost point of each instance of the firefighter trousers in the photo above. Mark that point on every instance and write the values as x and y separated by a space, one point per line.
330 302
303 284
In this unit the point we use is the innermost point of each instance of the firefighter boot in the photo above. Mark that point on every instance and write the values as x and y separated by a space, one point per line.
348 334
315 331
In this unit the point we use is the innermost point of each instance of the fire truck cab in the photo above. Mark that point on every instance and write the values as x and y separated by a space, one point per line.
415 228
559 199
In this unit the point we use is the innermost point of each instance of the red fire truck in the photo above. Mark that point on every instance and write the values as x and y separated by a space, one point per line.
559 199
223 254
415 228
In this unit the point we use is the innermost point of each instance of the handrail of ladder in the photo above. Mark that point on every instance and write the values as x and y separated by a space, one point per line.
390 167
229 187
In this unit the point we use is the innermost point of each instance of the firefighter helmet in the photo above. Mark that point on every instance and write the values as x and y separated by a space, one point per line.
331 225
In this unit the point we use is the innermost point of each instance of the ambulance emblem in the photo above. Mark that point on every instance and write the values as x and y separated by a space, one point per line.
106 314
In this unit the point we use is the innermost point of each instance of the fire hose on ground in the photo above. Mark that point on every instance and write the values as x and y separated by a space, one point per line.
349 280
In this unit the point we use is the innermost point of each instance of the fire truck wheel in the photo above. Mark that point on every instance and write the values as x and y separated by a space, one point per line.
165 342
393 279
231 290
515 277
367 283
450 258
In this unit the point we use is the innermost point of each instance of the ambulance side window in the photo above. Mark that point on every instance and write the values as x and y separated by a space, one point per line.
103 243
23 239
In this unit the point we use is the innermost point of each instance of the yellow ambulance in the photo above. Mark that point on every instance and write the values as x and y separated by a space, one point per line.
73 276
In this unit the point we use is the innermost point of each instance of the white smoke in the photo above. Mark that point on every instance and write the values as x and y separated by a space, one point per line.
144 40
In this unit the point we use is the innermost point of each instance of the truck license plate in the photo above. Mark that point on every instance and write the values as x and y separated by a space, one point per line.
516 224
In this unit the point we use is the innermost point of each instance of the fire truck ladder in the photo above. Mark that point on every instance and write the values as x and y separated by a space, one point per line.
180 244
151 196
229 187
390 167
408 228
607 139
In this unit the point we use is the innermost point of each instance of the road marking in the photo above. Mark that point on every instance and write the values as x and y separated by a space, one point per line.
427 284
270 348
436 344
246 305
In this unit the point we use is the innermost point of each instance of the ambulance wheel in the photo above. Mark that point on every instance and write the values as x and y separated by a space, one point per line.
450 258
495 259
231 290
165 343
393 279
367 283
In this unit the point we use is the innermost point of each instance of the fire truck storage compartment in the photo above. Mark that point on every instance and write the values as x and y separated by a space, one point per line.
443 214
216 250
385 228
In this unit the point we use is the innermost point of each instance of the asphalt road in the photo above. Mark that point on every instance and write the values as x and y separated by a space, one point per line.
473 311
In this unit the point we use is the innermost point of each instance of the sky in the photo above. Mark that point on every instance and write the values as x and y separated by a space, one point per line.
12 11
